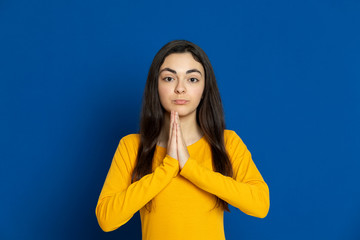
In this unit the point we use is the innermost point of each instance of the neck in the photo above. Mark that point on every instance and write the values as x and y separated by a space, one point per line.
189 128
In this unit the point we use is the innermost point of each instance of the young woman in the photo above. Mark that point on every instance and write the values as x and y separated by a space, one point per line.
184 167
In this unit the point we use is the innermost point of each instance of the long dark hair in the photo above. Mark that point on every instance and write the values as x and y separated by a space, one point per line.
209 115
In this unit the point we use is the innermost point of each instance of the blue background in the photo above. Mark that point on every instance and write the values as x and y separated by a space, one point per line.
72 76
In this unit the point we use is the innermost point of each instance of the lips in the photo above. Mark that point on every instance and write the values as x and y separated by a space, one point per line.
180 101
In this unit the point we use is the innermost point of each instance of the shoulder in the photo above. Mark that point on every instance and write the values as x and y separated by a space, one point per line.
133 138
235 147
130 142
230 135
232 139
126 151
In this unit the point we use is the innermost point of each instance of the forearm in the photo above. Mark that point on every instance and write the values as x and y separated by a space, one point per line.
116 208
251 197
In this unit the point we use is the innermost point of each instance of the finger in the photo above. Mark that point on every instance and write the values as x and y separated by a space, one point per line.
174 132
178 122
172 137
170 129
171 147
178 134
181 137
177 141
171 124
177 118
180 142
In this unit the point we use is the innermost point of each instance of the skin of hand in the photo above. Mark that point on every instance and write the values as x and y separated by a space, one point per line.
176 145
172 146
183 153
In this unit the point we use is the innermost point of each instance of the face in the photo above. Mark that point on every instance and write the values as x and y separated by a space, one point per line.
181 84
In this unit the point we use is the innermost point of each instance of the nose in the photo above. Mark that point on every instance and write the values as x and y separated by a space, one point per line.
180 88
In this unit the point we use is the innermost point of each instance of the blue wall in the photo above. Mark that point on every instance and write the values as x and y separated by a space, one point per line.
72 76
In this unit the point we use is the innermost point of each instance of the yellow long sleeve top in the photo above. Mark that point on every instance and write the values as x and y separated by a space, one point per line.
184 199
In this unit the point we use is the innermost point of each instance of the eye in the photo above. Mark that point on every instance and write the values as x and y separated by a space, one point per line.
168 79
193 80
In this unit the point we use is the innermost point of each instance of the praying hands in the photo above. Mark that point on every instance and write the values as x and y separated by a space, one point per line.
176 147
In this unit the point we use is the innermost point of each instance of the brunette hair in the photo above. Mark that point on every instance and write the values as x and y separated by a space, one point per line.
209 115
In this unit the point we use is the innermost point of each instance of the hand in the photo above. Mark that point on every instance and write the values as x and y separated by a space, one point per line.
176 145
183 153
172 146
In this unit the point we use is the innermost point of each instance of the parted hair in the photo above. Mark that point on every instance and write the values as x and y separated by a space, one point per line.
209 115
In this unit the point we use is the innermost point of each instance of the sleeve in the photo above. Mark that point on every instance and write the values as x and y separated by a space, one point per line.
246 190
119 200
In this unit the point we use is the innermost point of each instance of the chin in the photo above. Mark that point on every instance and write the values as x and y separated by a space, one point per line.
181 109
185 113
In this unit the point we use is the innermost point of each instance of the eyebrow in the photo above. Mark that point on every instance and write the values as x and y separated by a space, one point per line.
174 72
